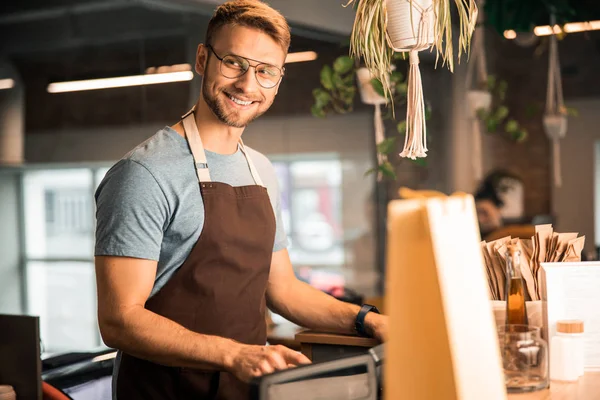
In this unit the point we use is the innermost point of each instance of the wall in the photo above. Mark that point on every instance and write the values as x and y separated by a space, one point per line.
10 282
574 202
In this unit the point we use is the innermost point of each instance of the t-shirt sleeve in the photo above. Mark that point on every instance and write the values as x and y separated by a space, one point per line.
131 213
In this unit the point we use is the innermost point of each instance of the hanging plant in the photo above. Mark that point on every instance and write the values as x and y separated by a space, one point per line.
382 27
336 95
496 118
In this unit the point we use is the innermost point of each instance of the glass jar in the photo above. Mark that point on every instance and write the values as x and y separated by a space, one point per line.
524 358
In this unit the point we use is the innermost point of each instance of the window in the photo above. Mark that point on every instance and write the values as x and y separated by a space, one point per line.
59 210
311 209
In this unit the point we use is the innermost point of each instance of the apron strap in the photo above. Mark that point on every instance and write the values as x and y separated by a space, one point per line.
193 137
253 170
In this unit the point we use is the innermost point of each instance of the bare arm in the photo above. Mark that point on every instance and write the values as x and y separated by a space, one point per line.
124 285
310 307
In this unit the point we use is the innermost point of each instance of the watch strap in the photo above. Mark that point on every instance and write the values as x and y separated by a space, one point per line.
359 324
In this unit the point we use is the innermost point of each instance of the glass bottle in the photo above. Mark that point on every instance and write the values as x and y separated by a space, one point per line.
516 312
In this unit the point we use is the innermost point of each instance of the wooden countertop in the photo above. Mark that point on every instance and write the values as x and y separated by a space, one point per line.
339 339
587 388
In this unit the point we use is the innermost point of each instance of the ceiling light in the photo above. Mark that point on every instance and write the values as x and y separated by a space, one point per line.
153 75
510 34
123 81
7 83
301 56
571 27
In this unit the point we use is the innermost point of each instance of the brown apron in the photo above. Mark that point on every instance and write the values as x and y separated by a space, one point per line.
219 290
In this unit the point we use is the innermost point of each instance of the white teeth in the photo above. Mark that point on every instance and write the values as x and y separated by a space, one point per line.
240 102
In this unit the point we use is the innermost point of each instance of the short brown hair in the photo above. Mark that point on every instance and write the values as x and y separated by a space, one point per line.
251 14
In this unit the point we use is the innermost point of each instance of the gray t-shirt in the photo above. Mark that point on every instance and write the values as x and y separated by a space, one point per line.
149 204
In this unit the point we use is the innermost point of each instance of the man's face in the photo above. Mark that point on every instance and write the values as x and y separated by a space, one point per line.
223 95
488 216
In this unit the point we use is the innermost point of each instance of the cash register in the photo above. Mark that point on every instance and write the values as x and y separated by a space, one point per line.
357 377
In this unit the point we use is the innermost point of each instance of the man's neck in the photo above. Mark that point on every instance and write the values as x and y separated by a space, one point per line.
216 136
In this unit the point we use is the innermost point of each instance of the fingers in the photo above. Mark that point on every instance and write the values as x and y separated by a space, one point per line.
277 360
293 357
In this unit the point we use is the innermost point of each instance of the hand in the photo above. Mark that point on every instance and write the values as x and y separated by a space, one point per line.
376 325
251 361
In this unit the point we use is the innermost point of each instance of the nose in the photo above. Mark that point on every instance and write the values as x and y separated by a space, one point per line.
247 83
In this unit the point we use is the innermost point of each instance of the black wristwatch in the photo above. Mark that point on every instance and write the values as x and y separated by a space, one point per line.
359 325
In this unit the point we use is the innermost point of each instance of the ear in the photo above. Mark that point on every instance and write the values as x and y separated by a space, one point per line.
201 58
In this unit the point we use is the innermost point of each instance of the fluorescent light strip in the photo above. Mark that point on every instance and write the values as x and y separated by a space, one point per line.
182 72
301 56
7 83
123 81
571 27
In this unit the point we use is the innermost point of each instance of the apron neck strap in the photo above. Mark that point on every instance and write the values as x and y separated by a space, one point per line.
193 138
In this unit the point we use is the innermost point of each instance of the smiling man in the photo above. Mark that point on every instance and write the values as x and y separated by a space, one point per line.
190 246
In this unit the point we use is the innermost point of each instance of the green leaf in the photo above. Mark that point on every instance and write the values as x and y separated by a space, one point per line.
386 146
396 77
327 77
322 98
502 87
428 110
520 135
420 161
401 127
501 113
401 89
491 125
317 111
482 114
343 65
338 82
378 86
387 169
572 112
511 126
370 171
491 82
400 56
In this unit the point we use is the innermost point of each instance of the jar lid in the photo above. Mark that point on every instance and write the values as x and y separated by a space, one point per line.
569 326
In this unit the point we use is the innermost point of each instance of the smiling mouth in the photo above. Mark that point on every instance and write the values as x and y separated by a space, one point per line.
238 101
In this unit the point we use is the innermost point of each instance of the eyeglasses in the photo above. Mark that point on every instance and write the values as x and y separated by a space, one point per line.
232 66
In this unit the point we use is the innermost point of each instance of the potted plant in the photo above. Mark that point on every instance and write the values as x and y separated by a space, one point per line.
336 94
382 27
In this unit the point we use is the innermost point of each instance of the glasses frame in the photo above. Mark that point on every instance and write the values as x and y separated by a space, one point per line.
259 63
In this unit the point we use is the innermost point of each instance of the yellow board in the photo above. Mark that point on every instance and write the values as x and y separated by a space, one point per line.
442 339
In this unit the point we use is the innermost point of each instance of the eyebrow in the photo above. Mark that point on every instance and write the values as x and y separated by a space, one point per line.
251 59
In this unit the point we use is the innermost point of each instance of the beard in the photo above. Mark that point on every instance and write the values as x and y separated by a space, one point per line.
232 118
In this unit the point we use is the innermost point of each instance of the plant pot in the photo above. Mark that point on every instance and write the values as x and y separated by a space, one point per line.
555 125
368 95
478 99
404 32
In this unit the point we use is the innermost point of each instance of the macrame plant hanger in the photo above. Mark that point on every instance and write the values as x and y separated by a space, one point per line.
415 141
555 119
477 97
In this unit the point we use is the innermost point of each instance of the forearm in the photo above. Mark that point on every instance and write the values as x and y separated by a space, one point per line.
313 309
149 336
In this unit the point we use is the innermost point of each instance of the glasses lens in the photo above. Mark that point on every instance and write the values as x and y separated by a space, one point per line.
268 75
233 67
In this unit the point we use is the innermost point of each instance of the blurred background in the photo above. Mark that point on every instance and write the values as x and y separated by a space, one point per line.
55 147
